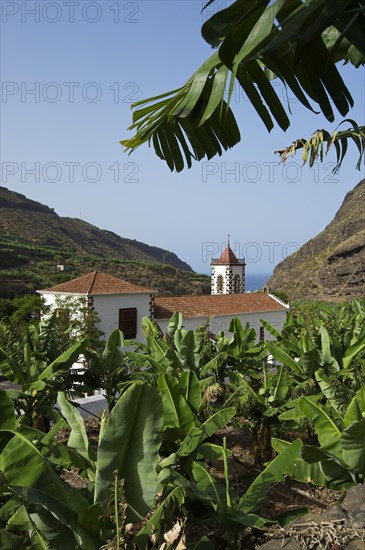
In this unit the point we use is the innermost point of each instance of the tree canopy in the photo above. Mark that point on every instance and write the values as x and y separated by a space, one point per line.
299 42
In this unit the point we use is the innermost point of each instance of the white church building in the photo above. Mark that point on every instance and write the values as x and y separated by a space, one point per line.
120 304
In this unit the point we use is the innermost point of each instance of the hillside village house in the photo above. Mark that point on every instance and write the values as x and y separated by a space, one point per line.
122 305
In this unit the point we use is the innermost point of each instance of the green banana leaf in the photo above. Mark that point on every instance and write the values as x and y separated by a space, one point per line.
64 361
9 541
10 369
214 494
281 387
190 389
339 478
78 439
329 436
206 488
217 421
176 411
191 442
129 443
22 520
188 346
352 352
356 409
112 356
283 357
353 444
31 476
175 323
274 472
300 469
7 415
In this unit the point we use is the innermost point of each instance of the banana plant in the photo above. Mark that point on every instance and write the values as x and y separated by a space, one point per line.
329 352
110 368
34 498
56 515
185 432
260 402
339 461
39 374
231 512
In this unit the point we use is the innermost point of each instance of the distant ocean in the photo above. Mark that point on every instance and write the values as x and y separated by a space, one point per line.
256 281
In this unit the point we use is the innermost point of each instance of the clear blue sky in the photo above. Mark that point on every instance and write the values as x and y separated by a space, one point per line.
86 63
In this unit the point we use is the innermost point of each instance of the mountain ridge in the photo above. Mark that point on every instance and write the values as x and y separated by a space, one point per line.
331 265
40 224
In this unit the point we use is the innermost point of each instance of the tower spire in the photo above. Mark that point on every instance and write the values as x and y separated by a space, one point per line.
228 273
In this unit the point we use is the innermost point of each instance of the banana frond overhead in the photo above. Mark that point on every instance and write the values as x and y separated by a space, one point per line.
256 41
322 141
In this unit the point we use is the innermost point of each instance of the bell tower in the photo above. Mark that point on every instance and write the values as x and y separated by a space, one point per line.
228 273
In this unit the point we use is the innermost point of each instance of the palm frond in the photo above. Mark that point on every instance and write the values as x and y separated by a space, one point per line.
322 141
296 41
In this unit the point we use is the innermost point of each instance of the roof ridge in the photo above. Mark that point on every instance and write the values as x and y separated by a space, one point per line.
92 282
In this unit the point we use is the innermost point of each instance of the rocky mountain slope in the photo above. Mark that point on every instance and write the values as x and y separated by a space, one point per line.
331 265
36 223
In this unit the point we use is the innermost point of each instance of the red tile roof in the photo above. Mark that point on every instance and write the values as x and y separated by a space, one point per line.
215 305
228 257
97 283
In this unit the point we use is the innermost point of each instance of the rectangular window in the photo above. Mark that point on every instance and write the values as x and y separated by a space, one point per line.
262 334
128 322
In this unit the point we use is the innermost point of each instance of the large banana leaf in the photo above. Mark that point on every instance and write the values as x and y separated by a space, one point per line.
78 439
280 387
218 420
9 541
258 41
188 346
329 436
176 411
64 361
356 410
10 369
299 469
129 443
352 352
112 355
274 472
190 389
7 415
337 474
31 476
353 444
23 521
283 357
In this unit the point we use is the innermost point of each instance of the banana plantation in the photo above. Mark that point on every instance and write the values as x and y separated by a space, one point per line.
159 472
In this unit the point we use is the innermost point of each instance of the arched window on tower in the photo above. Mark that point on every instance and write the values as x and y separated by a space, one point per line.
220 284
237 284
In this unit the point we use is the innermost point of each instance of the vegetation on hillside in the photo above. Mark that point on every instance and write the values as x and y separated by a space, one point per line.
35 267
32 223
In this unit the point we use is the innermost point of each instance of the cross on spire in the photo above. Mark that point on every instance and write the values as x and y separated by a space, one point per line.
228 239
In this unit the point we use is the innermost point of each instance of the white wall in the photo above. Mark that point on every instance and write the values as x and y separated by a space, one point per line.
108 307
221 322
